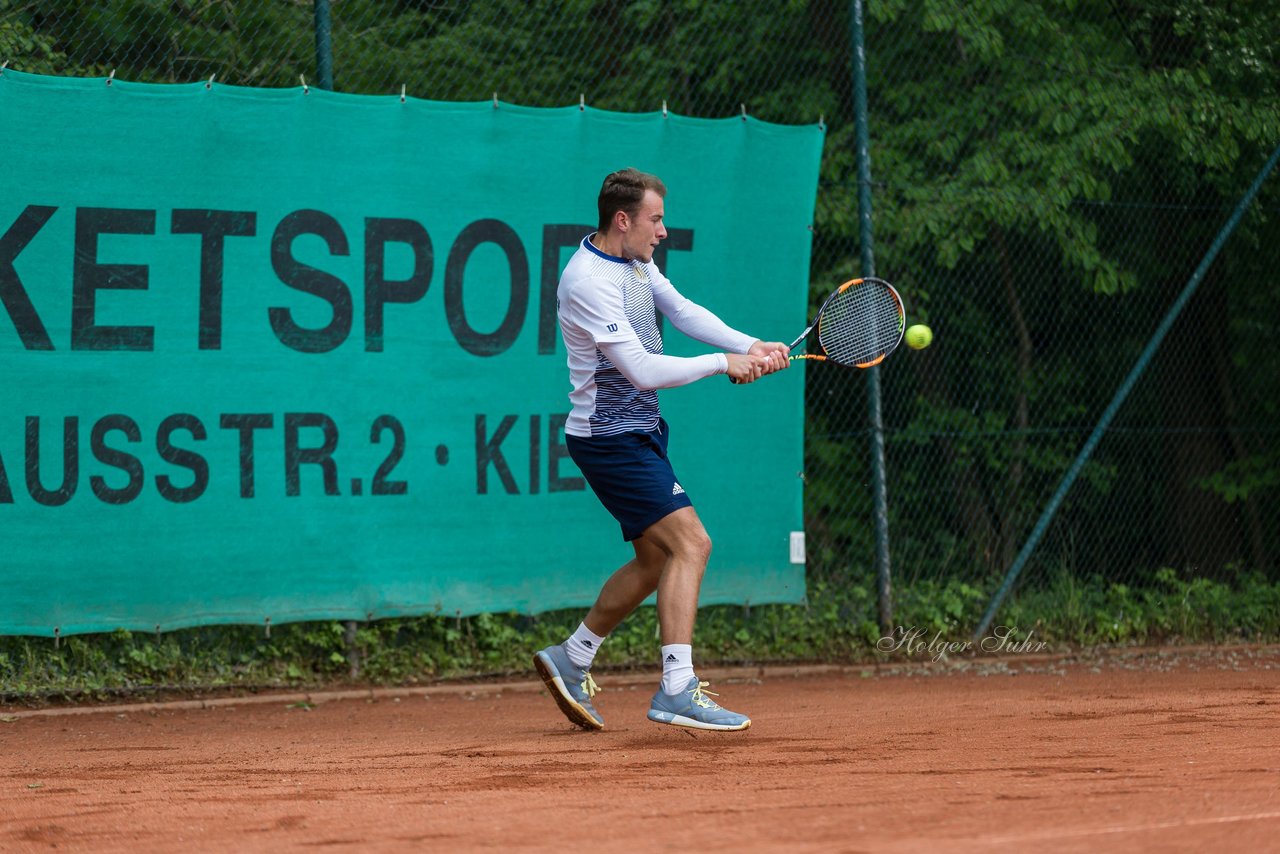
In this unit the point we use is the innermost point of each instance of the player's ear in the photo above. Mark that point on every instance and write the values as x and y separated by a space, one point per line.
621 221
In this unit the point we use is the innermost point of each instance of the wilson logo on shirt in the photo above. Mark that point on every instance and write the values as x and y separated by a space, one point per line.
612 327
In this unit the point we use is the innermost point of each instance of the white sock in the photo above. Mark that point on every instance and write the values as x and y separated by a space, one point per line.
677 667
582 646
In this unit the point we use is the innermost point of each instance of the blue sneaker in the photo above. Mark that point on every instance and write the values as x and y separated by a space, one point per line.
571 686
693 707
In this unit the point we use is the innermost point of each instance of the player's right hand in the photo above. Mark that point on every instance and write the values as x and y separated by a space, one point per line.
774 352
746 368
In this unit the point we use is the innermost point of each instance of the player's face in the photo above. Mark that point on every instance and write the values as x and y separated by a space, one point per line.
644 230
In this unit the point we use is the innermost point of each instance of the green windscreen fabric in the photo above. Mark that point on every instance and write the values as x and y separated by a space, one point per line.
275 355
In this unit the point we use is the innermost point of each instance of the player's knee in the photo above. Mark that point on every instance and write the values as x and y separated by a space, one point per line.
698 546
682 536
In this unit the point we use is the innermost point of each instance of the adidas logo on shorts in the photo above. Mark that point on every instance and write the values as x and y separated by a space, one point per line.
677 490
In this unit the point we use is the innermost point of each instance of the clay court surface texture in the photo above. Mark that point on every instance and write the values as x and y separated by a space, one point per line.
1174 750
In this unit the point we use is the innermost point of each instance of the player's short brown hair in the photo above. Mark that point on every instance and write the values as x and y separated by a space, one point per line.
623 191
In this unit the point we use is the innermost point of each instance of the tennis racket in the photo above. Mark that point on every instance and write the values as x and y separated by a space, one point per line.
858 325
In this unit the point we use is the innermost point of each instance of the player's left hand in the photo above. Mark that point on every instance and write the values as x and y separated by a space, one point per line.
774 352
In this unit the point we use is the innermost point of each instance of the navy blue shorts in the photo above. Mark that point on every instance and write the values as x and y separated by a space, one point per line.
631 475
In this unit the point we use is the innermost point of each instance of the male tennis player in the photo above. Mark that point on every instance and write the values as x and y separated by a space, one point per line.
616 434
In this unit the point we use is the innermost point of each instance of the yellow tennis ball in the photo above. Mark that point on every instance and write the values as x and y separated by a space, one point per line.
919 336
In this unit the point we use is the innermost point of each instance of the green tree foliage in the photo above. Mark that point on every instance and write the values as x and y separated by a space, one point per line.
1047 176
22 46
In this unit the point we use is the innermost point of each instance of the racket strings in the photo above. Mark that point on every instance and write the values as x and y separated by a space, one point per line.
861 324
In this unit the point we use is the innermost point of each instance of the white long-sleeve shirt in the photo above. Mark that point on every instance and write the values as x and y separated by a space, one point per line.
606 307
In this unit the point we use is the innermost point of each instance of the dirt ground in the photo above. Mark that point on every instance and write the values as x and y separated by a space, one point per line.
1170 751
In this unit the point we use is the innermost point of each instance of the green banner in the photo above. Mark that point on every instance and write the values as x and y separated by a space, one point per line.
275 355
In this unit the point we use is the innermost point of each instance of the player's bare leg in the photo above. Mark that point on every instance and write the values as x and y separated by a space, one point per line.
687 547
627 588
682 700
566 668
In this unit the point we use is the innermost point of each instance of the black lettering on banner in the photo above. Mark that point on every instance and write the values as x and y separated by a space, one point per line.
678 239
554 239
295 456
557 450
308 279
378 291
70 462
489 451
498 341
21 310
88 277
535 453
214 227
6 494
381 485
246 424
187 459
116 458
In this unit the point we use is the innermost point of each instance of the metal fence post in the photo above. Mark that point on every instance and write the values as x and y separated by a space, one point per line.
880 496
324 45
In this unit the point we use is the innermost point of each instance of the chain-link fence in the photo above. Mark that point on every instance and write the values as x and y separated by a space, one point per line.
1046 176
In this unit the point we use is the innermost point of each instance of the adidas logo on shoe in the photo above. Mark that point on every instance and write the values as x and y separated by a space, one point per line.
677 490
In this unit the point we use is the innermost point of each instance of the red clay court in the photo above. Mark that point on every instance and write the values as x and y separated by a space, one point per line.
1172 750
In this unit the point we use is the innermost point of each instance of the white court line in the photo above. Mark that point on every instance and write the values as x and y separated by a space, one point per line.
1137 828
